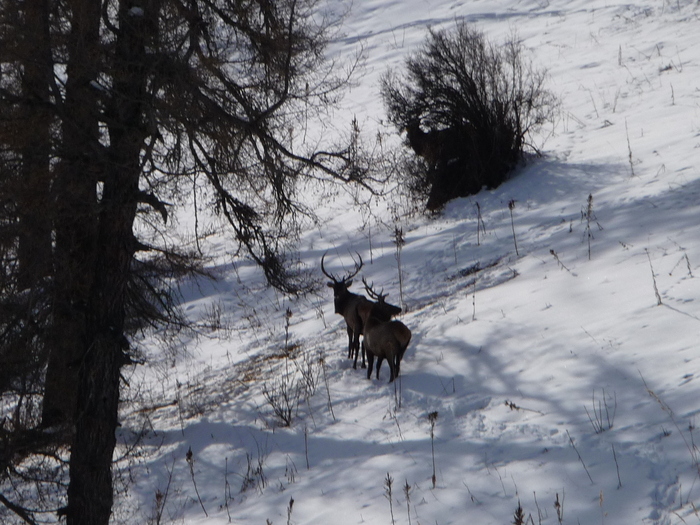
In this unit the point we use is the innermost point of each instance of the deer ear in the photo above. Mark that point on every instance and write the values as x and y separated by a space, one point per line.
348 284
330 284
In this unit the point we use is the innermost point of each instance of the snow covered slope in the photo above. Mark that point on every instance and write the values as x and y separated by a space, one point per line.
563 374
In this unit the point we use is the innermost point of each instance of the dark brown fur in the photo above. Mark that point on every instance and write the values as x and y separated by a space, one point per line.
348 305
383 338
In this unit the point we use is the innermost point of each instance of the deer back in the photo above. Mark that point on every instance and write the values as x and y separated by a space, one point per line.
401 332
381 333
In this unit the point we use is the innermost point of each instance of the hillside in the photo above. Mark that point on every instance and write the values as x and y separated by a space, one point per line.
563 372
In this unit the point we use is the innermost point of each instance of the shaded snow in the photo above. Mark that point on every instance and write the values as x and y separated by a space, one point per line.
511 356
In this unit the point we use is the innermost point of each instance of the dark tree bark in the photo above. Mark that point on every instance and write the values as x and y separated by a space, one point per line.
90 489
34 243
75 223
25 181
95 248
90 495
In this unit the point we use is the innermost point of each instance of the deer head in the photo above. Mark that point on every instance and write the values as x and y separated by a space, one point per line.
382 310
340 285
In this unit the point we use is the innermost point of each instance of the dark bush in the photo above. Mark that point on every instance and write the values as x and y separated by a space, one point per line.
468 108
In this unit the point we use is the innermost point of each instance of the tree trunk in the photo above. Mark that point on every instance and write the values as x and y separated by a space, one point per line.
76 216
34 246
90 491
90 494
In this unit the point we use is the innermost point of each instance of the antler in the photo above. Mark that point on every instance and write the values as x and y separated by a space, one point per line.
358 267
329 275
377 296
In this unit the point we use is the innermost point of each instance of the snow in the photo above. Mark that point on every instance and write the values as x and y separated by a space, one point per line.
555 375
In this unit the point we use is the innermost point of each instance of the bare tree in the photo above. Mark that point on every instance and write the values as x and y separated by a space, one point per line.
26 146
142 97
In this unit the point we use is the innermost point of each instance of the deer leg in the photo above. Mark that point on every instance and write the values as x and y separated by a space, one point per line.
356 340
379 364
370 363
356 348
349 342
392 369
363 354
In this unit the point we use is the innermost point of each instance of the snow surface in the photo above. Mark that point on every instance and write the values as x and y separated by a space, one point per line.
555 374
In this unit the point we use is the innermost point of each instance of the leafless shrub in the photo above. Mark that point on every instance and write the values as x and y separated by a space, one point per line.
469 107
603 416
255 472
309 370
160 500
283 395
388 482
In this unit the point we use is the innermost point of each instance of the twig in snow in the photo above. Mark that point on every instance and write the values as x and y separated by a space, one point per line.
480 226
617 466
513 406
407 494
388 481
589 216
474 299
519 515
601 424
399 242
471 496
653 276
227 492
511 206
559 507
540 516
687 263
190 461
289 511
629 149
571 440
432 418
325 381
561 264
691 448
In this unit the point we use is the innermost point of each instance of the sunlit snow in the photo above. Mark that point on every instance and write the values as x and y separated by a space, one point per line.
555 373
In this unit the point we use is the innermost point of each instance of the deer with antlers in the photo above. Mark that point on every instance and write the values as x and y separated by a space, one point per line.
347 304
383 338
354 308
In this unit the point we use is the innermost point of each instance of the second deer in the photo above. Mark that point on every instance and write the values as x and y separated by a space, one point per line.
383 339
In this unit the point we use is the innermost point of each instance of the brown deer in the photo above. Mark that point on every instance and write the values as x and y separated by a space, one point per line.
354 308
453 169
383 339
378 309
426 144
439 146
348 304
